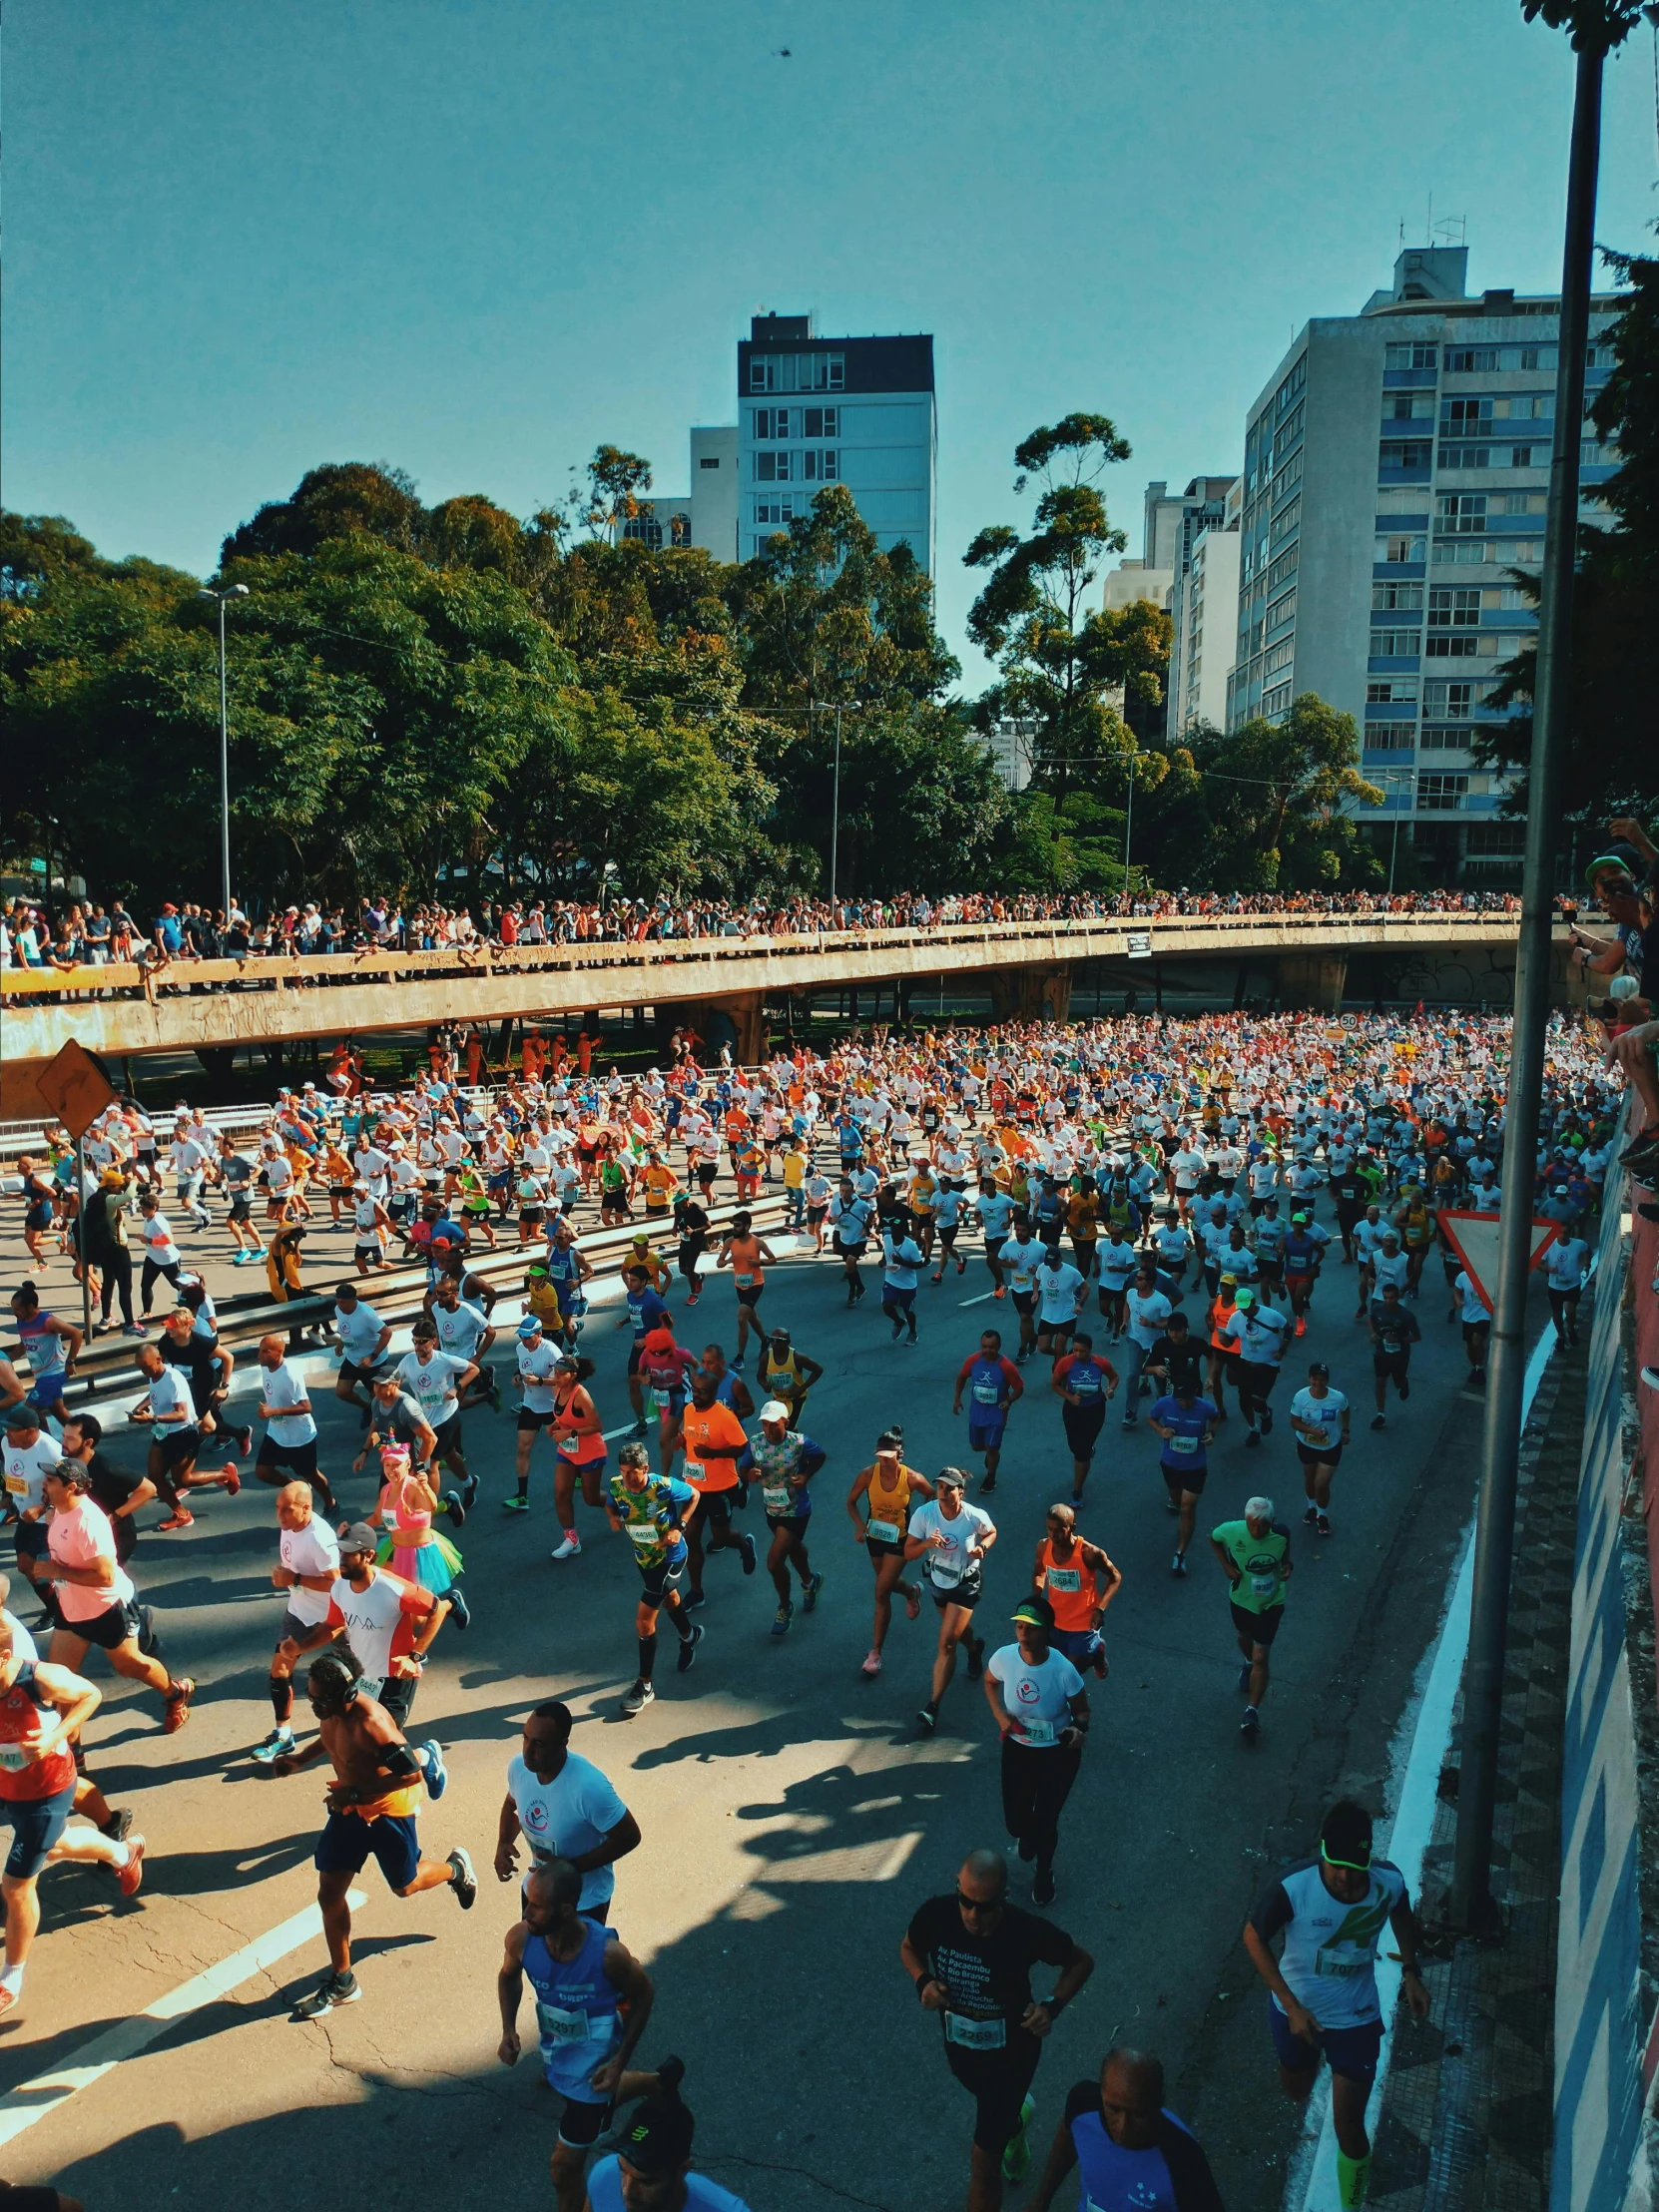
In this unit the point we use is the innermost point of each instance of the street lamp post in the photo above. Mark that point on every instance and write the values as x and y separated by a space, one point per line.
836 820
234 590
1128 821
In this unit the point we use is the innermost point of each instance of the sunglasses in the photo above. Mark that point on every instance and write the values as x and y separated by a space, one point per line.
978 1905
1353 1866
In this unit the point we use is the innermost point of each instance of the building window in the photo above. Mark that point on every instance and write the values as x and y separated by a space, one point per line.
1441 794
1412 453
1449 700
1465 359
1285 522
1394 645
644 530
709 460
1277 701
1496 840
1278 655
1392 503
1283 567
1390 737
1465 417
1402 549
679 529
1407 406
820 422
1392 690
1537 356
797 372
819 467
1408 356
1459 512
773 511
1281 609
774 468
1396 597
1454 610
1445 737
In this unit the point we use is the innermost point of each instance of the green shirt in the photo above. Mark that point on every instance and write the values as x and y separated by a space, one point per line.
1260 1562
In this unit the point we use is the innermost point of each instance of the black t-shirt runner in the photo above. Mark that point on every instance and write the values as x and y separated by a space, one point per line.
986 1979
1183 1357
1352 1194
109 1488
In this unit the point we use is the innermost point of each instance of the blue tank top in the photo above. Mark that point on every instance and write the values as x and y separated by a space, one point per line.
987 1385
576 2009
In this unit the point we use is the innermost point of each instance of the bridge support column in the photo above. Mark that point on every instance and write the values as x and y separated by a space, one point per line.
1313 979
736 1021
1031 994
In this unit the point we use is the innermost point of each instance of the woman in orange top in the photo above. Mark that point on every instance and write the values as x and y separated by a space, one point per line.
889 1489
744 1253
578 1448
713 1440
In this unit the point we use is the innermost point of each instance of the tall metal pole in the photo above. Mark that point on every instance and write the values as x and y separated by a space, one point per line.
224 768
81 1236
1128 821
1500 1437
835 822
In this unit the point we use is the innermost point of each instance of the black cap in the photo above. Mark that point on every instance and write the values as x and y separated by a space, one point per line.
658 2139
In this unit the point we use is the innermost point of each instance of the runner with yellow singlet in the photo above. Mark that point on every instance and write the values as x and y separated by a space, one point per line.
889 1489
783 1371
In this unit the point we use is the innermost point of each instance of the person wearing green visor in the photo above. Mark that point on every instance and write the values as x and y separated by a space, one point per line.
1331 1911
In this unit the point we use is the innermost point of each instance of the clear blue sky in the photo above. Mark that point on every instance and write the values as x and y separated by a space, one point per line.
477 237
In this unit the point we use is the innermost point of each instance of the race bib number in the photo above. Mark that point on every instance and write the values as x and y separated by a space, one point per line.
1339 1965
777 1497
13 1758
370 1685
643 1537
987 1393
1065 1579
695 1471
1037 1731
883 1531
1264 1585
559 2024
1183 1447
972 2035
746 1282
943 1573
18 1485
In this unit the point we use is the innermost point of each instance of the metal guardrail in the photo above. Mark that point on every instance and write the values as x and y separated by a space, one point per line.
396 1294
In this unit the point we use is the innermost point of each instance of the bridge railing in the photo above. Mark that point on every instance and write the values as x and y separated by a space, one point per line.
632 962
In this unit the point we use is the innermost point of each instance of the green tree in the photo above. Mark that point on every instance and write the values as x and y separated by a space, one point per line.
1063 666
1277 795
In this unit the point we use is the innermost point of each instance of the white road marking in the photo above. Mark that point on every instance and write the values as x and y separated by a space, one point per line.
898 1853
48 2093
984 1297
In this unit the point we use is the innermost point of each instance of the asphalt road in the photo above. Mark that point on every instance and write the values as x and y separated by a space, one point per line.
792 1818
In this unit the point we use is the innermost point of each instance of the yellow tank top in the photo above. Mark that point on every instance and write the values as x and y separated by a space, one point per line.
889 1502
784 1374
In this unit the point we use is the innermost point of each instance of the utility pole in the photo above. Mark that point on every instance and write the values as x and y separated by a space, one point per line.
235 591
1471 1898
836 820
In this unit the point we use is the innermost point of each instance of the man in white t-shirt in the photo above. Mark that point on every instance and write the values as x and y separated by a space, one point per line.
1041 1708
308 1554
288 1449
951 1538
565 1807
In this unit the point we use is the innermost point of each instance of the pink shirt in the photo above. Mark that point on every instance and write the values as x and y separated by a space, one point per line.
78 1536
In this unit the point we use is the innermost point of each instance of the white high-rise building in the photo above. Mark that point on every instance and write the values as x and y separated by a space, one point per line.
1204 612
1397 467
856 411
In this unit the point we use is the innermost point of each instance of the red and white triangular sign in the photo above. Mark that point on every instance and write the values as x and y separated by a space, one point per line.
1473 1237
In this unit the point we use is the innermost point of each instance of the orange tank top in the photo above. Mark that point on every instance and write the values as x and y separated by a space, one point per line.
1070 1587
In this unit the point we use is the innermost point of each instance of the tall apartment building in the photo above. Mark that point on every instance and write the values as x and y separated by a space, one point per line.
856 411
1176 521
1204 616
707 515
1397 465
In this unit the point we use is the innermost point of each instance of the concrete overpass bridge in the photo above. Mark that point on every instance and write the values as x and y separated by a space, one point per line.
1026 969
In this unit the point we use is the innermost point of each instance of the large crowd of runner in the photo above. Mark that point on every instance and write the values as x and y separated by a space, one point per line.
1179 1225
88 933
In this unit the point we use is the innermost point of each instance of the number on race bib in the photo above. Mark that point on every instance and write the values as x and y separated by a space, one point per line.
972 2035
883 1531
776 1497
560 2023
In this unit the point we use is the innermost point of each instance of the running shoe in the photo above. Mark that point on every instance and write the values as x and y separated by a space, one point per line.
1017 2152
872 1663
781 1618
456 1510
737 1365
638 1698
459 1609
465 1882
1379 1422
177 1706
277 1745
912 1604
1042 1885
1251 1726
750 1556
333 1989
570 1547
1323 1524
987 1485
809 1596
179 1519
437 1774
1177 1567
1311 1516
693 1599
928 1716
243 1438
131 1876
518 1504
1001 1291
118 1826
1253 1440
230 1481
687 1646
